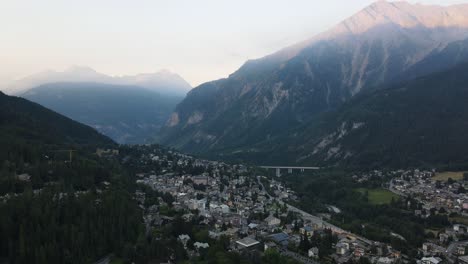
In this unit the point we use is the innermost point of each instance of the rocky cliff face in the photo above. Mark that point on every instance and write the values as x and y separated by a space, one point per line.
415 123
385 43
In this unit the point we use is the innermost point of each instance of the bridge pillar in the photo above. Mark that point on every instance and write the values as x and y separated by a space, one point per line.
278 172
302 170
289 170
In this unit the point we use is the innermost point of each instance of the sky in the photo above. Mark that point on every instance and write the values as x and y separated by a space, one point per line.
201 40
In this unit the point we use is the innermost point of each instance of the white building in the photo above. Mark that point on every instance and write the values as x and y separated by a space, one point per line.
313 252
272 221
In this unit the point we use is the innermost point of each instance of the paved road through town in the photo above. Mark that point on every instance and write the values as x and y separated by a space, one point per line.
314 219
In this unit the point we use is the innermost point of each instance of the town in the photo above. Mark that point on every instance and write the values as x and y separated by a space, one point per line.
441 196
250 210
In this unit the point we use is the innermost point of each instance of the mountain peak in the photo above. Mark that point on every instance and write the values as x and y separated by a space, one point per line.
166 72
382 15
80 69
405 15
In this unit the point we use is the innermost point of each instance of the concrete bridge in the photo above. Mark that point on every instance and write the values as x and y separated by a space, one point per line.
289 168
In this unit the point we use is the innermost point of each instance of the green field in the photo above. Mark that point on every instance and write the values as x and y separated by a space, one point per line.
459 219
378 196
116 261
444 176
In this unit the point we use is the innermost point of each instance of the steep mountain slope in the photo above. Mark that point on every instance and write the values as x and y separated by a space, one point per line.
164 82
127 114
416 123
424 121
29 122
385 43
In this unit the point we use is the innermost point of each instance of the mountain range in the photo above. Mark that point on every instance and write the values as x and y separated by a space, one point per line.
163 82
127 114
129 109
274 100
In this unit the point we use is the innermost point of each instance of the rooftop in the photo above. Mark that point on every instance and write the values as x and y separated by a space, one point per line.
247 242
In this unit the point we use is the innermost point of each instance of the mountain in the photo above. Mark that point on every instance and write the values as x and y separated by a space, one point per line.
127 114
164 82
25 121
383 44
416 123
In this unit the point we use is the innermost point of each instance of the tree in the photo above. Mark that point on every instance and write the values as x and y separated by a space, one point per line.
304 244
465 176
461 189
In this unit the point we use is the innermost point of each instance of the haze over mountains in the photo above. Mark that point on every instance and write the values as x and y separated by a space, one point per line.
271 101
127 114
163 82
129 109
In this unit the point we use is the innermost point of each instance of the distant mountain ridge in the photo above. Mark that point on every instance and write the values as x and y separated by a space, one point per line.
164 82
384 44
127 114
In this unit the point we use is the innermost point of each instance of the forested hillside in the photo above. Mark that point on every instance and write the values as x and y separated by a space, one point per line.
53 209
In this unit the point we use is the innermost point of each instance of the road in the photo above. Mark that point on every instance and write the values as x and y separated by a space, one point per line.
290 167
298 257
451 249
395 191
315 219
104 260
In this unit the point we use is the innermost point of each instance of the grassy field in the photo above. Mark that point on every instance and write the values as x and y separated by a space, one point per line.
378 196
444 176
115 260
459 219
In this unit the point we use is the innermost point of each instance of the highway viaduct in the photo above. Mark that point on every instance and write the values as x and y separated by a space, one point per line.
289 168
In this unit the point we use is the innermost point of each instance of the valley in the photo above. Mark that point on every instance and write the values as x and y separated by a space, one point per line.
347 147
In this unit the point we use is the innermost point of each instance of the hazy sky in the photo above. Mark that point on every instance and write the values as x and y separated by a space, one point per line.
201 40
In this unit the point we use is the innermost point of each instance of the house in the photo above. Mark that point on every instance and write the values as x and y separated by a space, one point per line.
426 247
359 251
385 260
461 250
200 180
431 260
313 252
342 248
252 225
463 259
107 152
307 230
247 243
184 239
280 238
24 177
192 204
272 221
224 208
269 245
201 204
199 245
443 237
459 228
